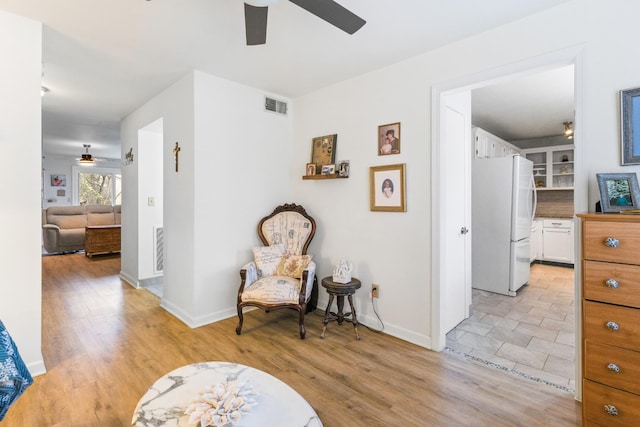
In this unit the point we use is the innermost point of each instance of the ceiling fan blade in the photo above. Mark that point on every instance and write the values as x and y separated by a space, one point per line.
333 13
255 22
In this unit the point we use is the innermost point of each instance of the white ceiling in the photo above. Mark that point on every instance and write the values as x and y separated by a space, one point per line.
534 106
103 59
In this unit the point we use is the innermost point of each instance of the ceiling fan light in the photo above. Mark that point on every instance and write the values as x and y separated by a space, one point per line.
86 158
568 130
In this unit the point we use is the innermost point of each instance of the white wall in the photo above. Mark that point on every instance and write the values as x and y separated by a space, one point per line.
243 165
57 165
393 249
20 105
234 168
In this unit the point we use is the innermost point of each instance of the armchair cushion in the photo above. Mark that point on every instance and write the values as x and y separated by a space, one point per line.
292 229
292 265
273 290
267 259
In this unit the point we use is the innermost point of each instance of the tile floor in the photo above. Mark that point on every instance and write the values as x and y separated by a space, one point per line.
155 289
531 334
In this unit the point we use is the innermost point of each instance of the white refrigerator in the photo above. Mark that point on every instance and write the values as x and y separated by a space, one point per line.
503 207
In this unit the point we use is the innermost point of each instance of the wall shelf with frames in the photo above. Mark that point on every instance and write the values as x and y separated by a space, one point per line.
329 176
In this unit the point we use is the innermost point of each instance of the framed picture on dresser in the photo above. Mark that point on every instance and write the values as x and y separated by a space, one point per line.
618 191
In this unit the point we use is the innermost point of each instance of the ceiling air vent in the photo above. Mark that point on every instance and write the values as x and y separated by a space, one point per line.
275 106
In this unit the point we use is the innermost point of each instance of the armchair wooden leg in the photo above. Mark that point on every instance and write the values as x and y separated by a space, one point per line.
303 332
240 320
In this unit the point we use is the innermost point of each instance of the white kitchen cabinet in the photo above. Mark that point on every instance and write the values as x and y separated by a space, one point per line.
488 145
553 167
557 240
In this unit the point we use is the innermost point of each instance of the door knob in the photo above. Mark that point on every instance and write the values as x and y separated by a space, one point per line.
464 230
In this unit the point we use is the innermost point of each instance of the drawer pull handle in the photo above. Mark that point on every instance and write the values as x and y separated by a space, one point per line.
611 283
611 410
613 368
611 242
612 326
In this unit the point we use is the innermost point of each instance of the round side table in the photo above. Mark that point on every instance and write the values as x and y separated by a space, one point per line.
340 290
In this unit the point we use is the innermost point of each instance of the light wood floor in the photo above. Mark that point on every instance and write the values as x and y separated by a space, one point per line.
105 343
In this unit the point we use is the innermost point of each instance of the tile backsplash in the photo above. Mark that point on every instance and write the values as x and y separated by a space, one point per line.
555 204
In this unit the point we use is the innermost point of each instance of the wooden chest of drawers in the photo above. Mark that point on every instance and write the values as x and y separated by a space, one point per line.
610 319
101 239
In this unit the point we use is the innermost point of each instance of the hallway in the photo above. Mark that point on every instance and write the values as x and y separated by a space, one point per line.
531 334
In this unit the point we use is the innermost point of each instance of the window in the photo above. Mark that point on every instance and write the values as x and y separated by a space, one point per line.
97 186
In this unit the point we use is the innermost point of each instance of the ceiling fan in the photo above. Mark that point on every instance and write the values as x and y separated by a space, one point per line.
86 158
255 17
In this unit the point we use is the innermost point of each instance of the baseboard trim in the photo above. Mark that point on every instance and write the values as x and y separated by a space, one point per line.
196 322
130 280
373 323
37 367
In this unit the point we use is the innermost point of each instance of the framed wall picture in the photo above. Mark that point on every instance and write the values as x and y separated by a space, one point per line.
328 169
311 169
58 180
630 126
323 150
387 189
389 139
618 191
343 168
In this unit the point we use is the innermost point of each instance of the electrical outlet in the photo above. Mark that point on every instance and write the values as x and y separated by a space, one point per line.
375 291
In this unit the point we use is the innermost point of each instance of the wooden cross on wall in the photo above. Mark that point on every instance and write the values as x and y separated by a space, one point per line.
176 153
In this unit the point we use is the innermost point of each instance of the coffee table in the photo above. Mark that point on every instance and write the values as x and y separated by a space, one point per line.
278 404
102 239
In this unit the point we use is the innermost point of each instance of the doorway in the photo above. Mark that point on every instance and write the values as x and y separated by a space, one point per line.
150 207
440 176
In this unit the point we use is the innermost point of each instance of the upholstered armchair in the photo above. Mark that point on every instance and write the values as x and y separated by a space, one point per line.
281 275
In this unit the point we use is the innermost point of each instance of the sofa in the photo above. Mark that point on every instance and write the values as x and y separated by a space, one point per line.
63 227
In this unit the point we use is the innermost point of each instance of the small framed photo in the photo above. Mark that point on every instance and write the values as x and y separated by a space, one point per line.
328 169
389 139
343 168
60 193
58 180
387 188
630 126
618 191
311 169
323 150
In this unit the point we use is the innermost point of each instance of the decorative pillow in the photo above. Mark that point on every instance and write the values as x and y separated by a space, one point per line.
293 265
267 258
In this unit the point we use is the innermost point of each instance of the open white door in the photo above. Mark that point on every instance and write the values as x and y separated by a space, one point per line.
456 146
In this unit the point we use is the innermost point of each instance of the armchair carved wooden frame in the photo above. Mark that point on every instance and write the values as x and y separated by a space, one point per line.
290 227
